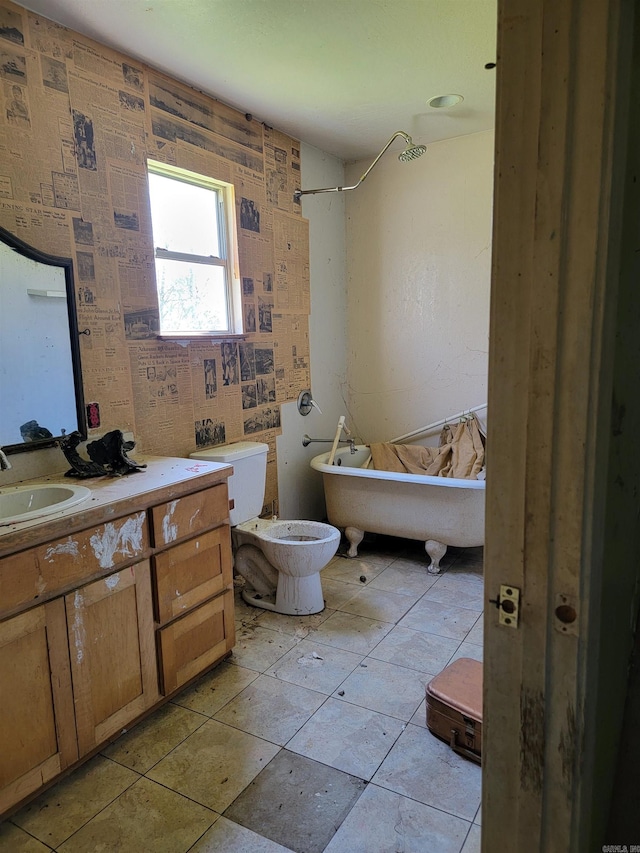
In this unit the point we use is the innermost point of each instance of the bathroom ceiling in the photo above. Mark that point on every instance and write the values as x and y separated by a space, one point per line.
341 75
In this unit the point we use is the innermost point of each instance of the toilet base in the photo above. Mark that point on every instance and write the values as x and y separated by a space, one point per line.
253 597
295 596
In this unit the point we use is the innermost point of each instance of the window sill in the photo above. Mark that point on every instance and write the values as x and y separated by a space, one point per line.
194 337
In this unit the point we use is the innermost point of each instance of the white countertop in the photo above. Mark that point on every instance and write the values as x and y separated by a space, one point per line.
160 473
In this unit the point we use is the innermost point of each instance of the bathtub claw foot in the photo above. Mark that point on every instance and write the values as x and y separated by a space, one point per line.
355 537
436 551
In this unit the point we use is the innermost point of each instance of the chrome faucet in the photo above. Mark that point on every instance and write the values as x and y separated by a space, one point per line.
4 462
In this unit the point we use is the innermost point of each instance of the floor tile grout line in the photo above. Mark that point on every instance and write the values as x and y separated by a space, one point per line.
442 604
251 683
339 685
31 835
180 794
382 589
442 636
372 619
366 781
370 584
174 747
437 808
467 835
273 743
199 839
373 711
263 671
106 806
299 755
221 723
397 625
392 663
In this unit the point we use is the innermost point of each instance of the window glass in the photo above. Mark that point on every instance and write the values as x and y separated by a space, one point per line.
192 297
195 252
185 216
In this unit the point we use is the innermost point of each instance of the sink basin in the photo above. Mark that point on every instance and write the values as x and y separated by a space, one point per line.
23 503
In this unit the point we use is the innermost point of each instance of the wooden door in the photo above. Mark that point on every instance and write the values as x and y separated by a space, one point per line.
37 728
563 460
113 660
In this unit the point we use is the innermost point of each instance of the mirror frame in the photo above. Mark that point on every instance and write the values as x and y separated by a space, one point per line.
67 265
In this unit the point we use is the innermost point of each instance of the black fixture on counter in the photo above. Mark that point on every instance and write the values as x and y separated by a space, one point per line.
108 456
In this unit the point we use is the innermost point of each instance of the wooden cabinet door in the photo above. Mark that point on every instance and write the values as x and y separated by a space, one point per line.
113 660
37 730
195 641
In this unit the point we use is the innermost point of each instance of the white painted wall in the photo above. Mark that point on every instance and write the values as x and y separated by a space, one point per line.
418 262
300 488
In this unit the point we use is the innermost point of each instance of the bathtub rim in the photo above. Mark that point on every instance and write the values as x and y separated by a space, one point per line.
319 463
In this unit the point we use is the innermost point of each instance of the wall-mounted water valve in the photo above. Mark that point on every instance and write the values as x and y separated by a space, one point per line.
306 403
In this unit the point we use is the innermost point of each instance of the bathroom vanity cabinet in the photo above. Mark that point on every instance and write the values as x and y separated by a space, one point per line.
106 612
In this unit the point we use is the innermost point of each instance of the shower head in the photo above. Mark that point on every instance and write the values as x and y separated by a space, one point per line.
411 152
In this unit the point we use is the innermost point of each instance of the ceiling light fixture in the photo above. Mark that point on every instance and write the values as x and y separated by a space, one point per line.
444 101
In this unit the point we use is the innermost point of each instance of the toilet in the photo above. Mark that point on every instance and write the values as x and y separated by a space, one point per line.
280 560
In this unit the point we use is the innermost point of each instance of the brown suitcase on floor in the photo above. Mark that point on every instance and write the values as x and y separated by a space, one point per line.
454 707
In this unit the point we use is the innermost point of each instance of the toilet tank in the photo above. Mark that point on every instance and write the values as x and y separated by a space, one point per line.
247 483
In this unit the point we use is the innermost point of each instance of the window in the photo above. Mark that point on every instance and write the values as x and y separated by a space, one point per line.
195 244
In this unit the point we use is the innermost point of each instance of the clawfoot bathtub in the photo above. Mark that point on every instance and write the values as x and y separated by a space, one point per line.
440 511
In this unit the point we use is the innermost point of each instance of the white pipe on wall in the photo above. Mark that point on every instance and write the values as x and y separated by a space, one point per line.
437 424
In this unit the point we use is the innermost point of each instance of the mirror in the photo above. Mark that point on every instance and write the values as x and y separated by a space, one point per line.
40 378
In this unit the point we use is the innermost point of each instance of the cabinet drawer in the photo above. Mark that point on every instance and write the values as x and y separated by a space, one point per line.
190 573
189 515
43 571
195 641
20 580
82 555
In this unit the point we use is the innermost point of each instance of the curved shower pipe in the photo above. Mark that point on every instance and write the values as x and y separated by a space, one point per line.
411 152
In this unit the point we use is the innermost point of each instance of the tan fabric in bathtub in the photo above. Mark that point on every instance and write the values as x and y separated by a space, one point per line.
460 454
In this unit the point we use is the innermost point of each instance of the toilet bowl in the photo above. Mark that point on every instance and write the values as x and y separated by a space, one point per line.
280 560
297 550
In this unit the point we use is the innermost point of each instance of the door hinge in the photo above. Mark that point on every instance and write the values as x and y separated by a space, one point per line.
508 603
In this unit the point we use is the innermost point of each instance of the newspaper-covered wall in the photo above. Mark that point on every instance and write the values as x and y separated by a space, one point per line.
77 124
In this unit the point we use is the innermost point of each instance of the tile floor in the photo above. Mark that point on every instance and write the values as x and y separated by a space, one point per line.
310 738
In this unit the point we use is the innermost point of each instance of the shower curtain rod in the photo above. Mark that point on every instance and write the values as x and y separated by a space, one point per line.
436 424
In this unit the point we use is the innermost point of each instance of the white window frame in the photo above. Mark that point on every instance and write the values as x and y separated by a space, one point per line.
228 241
